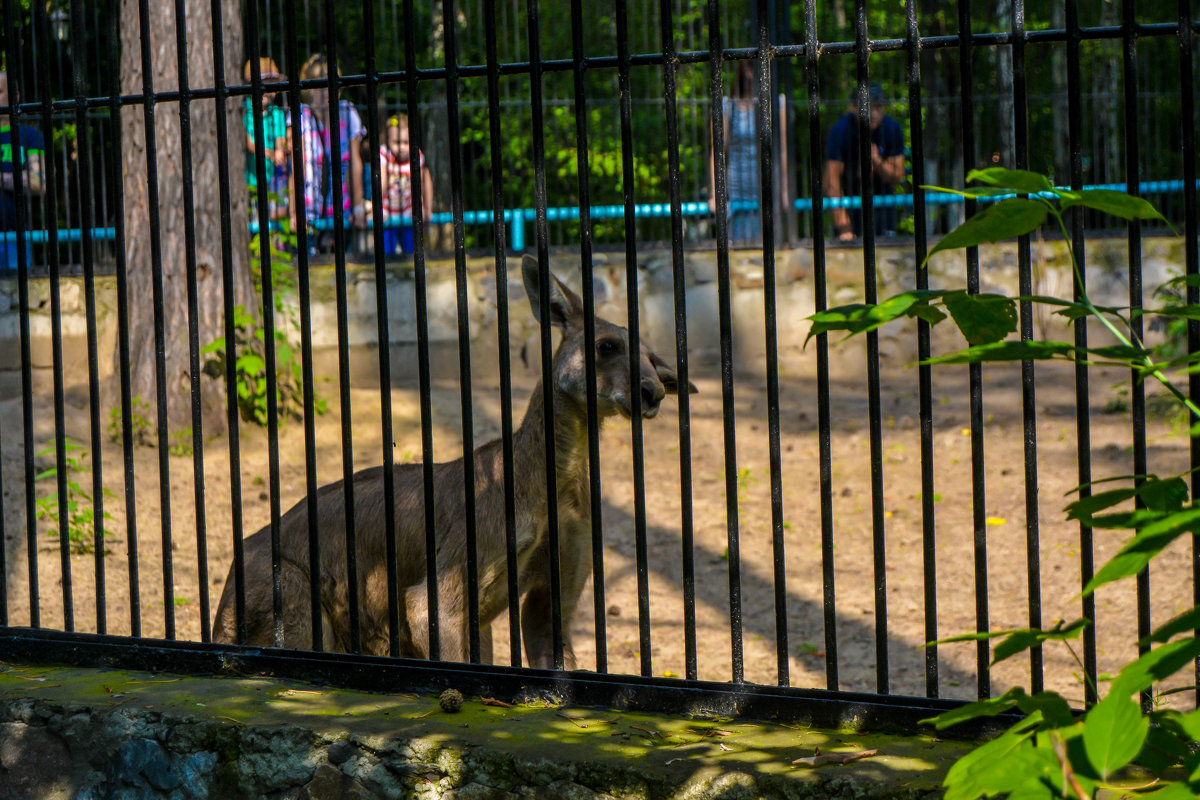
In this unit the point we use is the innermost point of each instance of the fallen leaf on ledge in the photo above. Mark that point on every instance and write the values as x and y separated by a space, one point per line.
491 701
818 758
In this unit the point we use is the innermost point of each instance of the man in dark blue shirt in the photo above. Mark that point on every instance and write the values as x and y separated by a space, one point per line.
19 145
843 176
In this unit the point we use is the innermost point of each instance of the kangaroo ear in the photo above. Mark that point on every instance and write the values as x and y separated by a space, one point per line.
668 376
566 309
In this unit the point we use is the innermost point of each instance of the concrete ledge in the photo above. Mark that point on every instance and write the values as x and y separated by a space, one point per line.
98 733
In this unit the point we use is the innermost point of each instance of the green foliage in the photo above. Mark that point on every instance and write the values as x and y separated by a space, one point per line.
139 423
249 347
81 512
1053 751
181 443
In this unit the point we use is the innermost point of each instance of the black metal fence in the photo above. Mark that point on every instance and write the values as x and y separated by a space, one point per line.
780 585
47 68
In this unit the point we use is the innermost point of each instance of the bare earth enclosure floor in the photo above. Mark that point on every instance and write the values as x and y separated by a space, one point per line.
855 578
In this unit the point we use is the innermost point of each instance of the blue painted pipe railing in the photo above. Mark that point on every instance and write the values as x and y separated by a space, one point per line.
517 218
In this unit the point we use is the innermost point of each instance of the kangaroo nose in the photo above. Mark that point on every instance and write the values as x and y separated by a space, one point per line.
652 395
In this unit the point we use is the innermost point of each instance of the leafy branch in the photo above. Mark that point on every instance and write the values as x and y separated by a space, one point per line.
1053 751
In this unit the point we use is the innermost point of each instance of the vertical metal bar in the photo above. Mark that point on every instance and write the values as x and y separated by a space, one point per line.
579 71
1083 424
924 371
268 313
725 320
533 32
418 222
231 407
862 48
159 320
40 24
766 145
123 353
189 238
299 148
160 375
382 322
974 371
625 94
1028 394
506 421
82 128
332 86
464 332
13 47
670 67
1137 390
1191 253
816 158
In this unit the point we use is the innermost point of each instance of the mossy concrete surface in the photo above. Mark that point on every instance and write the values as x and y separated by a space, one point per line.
96 733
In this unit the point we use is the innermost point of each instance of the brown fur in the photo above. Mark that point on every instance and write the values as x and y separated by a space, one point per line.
613 395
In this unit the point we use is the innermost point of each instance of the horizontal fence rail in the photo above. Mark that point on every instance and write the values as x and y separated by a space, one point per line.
517 218
612 447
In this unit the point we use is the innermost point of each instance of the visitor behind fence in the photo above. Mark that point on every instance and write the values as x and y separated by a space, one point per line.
842 173
395 156
741 158
19 144
273 153
318 183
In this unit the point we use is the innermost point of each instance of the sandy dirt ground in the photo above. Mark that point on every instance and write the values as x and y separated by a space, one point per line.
1004 504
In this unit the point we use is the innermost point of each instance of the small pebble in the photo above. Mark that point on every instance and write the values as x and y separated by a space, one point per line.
451 700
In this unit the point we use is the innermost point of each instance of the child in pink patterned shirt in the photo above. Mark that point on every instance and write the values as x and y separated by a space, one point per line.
395 159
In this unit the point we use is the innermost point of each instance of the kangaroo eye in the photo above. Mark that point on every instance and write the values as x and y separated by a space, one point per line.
607 347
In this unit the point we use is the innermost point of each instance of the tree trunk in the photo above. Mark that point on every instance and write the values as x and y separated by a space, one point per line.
167 197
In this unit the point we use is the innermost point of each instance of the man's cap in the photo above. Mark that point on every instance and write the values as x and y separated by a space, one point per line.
875 95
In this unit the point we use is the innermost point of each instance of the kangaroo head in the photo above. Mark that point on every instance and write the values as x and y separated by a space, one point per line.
614 389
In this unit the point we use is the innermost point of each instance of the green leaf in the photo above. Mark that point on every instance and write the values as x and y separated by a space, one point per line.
1190 724
1008 351
1085 508
1157 494
1120 352
863 317
1022 640
1018 180
1159 663
982 318
1006 219
1119 204
991 707
1125 520
1182 312
971 191
1166 743
215 346
1056 711
1145 544
1001 765
1113 732
251 363
1163 495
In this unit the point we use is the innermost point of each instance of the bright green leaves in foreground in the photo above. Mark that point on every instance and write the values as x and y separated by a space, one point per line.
1017 216
1004 220
1054 751
983 318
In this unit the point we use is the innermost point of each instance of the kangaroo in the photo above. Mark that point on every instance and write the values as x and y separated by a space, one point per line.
614 396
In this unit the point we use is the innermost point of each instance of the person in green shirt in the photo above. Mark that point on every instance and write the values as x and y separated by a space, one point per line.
21 148
272 153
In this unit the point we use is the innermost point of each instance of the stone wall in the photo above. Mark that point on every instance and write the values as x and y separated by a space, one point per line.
102 734
1107 276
